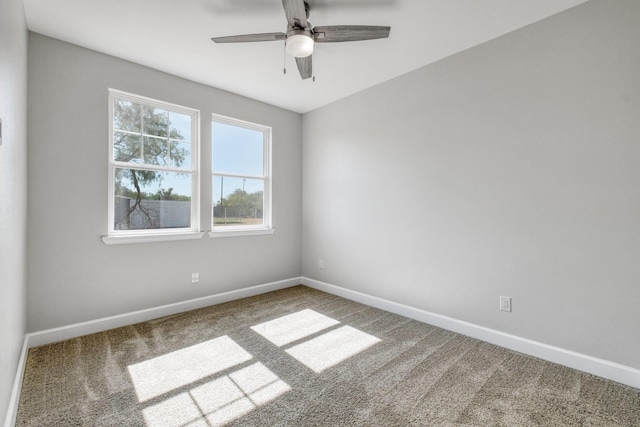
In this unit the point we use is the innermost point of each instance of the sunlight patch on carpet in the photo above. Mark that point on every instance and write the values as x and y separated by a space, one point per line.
178 378
220 401
163 374
331 348
292 327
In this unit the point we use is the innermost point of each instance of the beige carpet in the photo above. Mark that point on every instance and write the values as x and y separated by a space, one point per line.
300 357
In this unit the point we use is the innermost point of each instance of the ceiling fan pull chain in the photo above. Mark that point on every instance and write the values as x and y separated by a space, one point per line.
284 58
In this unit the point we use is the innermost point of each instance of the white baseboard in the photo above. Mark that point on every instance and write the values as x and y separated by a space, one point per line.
12 410
66 332
602 368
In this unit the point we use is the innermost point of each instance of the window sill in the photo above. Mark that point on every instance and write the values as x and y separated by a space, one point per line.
147 238
239 233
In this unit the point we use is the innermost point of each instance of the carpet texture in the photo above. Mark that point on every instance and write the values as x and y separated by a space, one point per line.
301 357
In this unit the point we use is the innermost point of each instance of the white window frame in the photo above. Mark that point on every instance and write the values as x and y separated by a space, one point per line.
149 235
245 230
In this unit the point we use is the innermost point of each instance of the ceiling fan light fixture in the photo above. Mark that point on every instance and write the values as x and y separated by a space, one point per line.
299 45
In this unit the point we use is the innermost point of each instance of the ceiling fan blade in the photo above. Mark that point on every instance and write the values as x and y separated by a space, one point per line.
349 33
305 67
296 13
264 37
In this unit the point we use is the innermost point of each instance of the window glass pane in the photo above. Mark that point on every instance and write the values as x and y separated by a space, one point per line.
126 115
126 147
237 201
180 154
145 199
156 151
180 126
156 121
237 150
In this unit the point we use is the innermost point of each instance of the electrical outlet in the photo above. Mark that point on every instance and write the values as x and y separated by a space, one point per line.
195 277
505 304
320 264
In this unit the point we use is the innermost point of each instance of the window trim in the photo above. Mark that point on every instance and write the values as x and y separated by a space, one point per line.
158 234
246 230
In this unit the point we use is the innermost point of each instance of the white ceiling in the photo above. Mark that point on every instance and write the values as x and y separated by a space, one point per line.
174 36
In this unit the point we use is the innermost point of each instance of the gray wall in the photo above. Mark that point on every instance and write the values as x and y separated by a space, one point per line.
13 192
509 169
75 277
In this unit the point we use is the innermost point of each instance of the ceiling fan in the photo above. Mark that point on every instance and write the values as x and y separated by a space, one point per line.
301 37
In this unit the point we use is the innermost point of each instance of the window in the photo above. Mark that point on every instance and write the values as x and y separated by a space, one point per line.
153 173
241 164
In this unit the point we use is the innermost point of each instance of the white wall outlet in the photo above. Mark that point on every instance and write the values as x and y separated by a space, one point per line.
320 263
505 303
195 277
